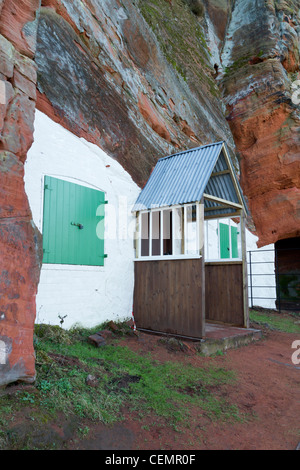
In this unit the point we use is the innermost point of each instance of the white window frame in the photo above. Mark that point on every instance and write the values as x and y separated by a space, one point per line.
219 259
199 220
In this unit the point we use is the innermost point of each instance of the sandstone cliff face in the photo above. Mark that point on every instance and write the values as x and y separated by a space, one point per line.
132 77
19 239
259 62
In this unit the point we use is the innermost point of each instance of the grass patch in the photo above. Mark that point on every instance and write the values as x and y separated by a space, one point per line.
287 323
122 378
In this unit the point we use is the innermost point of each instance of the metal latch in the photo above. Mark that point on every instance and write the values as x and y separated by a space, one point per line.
80 226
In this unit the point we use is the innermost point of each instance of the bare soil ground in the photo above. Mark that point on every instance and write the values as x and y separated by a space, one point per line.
268 390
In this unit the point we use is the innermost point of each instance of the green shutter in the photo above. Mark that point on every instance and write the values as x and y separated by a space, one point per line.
234 242
224 241
66 207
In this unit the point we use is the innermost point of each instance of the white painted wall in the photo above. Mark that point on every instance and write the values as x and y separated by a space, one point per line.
87 295
263 272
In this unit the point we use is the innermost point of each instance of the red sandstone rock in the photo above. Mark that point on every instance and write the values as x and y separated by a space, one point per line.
120 72
18 285
264 121
7 94
17 132
24 85
152 117
13 202
269 159
7 52
17 24
20 242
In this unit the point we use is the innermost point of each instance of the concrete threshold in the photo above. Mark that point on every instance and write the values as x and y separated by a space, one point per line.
219 338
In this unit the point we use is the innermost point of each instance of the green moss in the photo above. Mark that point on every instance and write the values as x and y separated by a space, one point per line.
290 7
237 64
53 333
181 39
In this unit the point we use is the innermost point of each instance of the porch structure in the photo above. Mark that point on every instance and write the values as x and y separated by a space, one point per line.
190 266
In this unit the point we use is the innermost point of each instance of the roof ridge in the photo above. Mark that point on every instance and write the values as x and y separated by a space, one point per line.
192 150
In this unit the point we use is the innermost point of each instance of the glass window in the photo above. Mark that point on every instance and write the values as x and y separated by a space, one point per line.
223 239
156 233
170 232
191 230
178 228
145 233
167 232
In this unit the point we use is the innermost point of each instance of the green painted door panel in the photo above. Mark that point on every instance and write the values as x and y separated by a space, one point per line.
234 242
73 227
224 241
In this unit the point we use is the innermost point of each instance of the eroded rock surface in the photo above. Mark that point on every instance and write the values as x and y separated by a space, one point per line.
259 58
19 238
132 77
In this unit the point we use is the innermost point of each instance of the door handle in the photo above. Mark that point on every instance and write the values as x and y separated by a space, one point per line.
80 226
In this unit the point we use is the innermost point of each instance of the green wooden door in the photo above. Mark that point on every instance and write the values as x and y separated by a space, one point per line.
234 242
225 242
73 225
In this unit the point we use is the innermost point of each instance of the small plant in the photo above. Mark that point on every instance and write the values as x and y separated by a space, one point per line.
84 431
28 398
44 386
62 319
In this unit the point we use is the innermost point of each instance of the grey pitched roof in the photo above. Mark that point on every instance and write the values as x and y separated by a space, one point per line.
184 177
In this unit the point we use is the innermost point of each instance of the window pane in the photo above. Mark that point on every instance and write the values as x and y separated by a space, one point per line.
230 239
212 240
156 233
178 228
191 229
167 232
223 239
145 234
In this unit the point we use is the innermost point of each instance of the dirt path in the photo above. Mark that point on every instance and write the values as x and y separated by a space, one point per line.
267 389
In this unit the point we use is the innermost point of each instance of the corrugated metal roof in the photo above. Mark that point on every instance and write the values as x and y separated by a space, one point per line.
184 177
